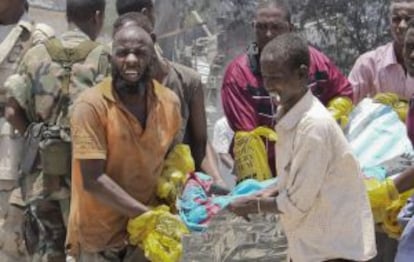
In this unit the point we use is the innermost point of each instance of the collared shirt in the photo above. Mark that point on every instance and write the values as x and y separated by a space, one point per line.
222 136
102 128
247 105
378 71
324 207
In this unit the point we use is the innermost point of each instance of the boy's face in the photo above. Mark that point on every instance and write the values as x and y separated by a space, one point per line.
408 52
281 82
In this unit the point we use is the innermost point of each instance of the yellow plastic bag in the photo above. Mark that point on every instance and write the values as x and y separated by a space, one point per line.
386 204
399 105
340 108
250 156
180 158
390 223
387 98
401 108
159 234
381 195
178 164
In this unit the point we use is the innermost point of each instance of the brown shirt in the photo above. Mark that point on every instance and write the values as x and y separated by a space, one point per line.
185 82
102 128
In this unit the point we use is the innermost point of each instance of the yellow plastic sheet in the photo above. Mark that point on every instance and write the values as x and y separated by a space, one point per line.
178 164
387 98
250 155
386 204
340 108
399 105
401 108
390 223
159 234
381 193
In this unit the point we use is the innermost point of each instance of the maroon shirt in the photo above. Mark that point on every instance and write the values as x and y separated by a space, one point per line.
247 104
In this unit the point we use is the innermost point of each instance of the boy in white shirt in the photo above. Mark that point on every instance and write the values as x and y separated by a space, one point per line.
320 194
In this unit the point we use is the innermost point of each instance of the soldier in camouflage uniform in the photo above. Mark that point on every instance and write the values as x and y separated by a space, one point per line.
17 34
50 77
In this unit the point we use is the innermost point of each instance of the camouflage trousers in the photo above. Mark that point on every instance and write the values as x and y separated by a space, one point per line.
47 199
12 246
51 230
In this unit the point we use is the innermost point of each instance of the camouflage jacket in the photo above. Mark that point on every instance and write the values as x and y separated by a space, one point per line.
37 88
15 40
38 84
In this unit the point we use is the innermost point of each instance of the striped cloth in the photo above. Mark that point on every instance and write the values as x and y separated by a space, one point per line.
376 134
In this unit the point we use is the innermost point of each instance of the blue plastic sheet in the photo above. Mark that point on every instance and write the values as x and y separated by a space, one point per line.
196 206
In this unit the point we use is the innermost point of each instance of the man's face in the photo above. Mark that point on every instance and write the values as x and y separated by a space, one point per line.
269 23
401 13
280 82
132 53
408 52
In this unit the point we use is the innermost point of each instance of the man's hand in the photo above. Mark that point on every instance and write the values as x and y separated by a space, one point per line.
267 192
245 206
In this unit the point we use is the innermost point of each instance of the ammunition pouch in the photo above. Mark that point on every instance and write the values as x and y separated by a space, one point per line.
48 148
55 151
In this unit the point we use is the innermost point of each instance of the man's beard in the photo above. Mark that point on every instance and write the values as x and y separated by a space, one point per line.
129 88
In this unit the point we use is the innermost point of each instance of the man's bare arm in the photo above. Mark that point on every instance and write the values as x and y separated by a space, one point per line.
198 127
209 166
227 160
101 186
405 181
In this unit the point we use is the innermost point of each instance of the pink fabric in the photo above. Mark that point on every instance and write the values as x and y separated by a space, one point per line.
377 71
